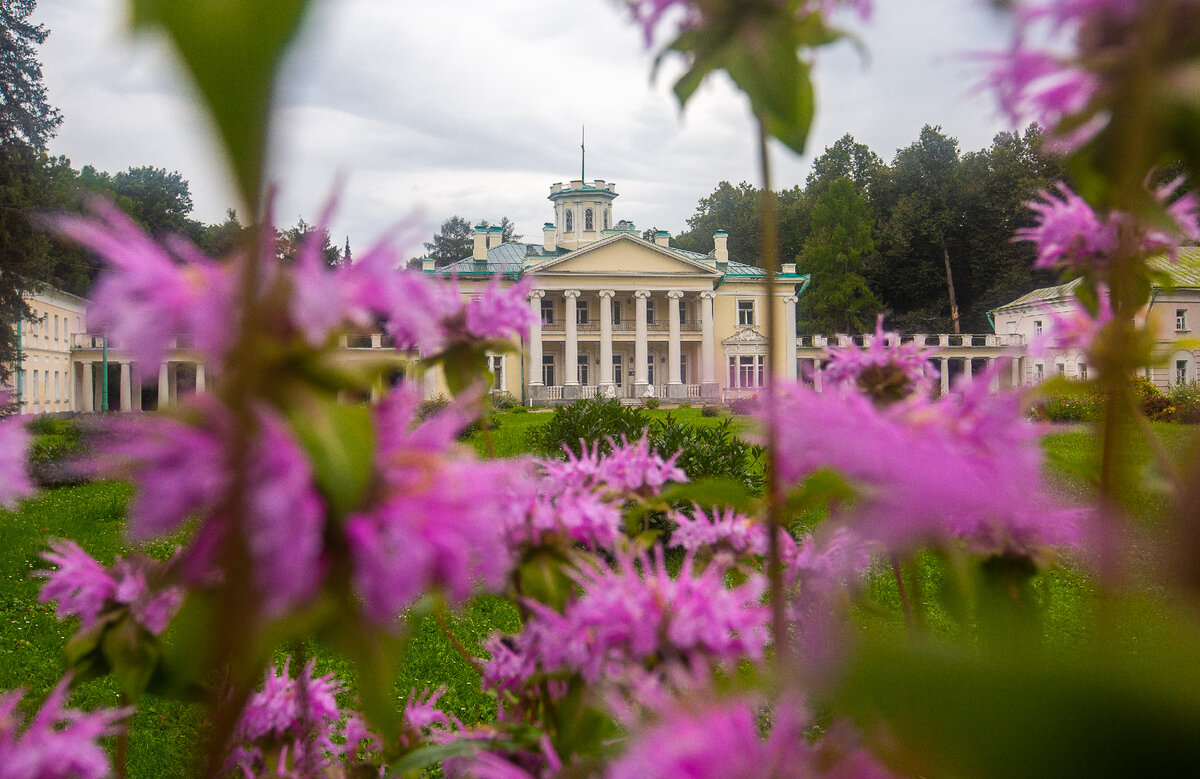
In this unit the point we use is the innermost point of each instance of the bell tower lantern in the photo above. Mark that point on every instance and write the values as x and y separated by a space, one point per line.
582 212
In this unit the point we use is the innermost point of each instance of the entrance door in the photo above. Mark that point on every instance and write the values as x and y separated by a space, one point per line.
618 375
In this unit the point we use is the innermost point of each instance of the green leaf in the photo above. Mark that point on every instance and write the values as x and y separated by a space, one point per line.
714 491
426 756
232 49
340 441
822 488
132 654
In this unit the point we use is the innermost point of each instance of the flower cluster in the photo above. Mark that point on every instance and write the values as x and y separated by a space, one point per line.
85 589
965 466
1069 233
886 371
725 530
58 743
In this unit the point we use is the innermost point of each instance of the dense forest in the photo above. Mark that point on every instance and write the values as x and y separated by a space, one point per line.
903 238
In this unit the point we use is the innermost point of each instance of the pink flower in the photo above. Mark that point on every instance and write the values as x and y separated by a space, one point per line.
1076 328
627 617
500 312
720 530
57 743
548 510
627 468
1068 232
148 296
721 739
14 453
85 589
293 718
886 371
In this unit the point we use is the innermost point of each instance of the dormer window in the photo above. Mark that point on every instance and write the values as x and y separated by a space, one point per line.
589 222
569 221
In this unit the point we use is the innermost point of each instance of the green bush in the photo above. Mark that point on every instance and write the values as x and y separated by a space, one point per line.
504 401
652 403
594 420
743 405
1069 407
1185 402
709 451
438 404
710 411
55 447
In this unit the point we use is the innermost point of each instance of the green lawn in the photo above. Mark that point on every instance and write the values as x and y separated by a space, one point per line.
163 731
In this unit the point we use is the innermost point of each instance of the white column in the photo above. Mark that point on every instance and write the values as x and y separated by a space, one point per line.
817 374
967 369
201 379
708 341
535 337
136 374
606 377
641 347
945 366
89 388
164 385
994 383
673 298
789 336
1015 369
571 369
126 388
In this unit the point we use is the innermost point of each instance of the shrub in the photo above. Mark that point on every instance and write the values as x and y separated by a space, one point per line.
652 403
1185 400
593 420
1069 407
519 410
709 451
55 447
710 410
437 404
743 405
504 401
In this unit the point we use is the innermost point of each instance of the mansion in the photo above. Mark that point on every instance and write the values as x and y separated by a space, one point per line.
617 316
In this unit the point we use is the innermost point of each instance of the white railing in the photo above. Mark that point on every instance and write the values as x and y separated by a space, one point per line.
554 393
691 391
588 391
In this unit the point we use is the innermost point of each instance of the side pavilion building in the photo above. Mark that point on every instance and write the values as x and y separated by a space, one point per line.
620 316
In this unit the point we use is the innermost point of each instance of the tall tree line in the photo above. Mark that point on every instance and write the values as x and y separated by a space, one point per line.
925 239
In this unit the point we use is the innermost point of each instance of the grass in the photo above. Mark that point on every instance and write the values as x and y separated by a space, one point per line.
164 732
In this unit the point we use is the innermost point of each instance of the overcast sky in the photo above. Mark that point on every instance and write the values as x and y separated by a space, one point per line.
474 107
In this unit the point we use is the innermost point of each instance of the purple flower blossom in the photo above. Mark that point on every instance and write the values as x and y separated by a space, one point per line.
627 468
885 371
547 510
726 529
500 312
293 718
702 739
14 452
57 743
626 617
147 297
1075 328
966 466
85 589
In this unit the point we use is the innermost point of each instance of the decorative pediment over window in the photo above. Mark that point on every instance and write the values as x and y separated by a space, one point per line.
746 340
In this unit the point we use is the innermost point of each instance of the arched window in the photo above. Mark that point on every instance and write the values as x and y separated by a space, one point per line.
606 218
569 222
589 223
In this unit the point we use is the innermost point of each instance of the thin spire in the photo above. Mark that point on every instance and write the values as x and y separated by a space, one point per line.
582 151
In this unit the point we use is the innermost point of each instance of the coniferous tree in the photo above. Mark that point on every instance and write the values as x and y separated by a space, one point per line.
452 242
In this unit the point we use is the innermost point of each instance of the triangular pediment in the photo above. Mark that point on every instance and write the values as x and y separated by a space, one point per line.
625 255
746 335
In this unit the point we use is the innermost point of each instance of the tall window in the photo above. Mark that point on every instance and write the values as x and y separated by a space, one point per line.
1181 371
745 309
1181 319
616 312
582 374
547 311
747 370
1062 368
1038 371
618 371
37 386
496 366
569 221
606 219
589 222
56 327
650 310
650 369
683 377
683 308
1081 368
548 370
1037 327
581 312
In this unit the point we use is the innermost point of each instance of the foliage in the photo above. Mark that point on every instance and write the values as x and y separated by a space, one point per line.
503 401
709 452
1081 405
729 208
508 230
743 405
292 239
28 119
1185 402
594 421
710 410
452 242
836 254
651 403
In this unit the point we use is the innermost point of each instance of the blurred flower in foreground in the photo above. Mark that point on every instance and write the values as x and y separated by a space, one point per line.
14 448
57 743
886 371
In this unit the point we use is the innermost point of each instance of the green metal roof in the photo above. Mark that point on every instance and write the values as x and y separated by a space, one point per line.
1043 294
1184 270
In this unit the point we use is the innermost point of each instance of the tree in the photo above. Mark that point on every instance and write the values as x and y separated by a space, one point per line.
452 243
729 208
509 230
839 299
218 240
290 241
159 201
846 158
27 122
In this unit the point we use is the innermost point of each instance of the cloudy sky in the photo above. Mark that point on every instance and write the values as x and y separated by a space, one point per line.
474 107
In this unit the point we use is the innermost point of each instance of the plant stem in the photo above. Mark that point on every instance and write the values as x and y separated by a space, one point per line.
769 229
904 602
440 618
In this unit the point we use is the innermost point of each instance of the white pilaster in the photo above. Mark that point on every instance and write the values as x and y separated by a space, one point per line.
789 336
126 388
136 373
945 367
708 341
673 298
994 382
968 369
606 377
201 379
817 374
535 337
164 386
89 387
571 369
1015 370
641 348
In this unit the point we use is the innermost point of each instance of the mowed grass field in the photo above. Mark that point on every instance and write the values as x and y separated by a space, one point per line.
164 732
